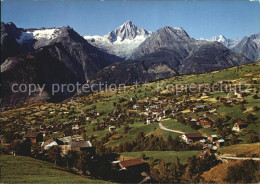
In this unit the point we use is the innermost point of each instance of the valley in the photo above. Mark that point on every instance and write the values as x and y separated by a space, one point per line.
114 120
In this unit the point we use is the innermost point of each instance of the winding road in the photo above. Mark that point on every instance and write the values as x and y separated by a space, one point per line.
170 130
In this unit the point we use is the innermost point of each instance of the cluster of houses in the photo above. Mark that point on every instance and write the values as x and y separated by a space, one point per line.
154 111
190 138
210 144
74 143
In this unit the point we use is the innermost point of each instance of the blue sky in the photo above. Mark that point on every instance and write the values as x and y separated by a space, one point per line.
205 19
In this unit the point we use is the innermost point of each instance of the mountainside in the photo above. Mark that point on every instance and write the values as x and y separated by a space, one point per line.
173 38
210 57
121 41
249 47
62 58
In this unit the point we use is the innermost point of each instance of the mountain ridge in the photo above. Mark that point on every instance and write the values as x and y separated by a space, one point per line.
165 53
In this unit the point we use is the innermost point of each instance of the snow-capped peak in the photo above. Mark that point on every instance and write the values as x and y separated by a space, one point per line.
229 43
38 34
121 41
219 38
128 30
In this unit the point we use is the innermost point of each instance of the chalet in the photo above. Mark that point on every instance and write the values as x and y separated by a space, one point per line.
75 146
204 122
220 142
33 137
239 125
192 137
136 165
111 128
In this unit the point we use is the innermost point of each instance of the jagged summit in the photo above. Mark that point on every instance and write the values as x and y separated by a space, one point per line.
128 30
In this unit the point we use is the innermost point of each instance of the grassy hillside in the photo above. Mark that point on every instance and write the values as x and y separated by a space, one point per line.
241 149
21 169
174 124
218 173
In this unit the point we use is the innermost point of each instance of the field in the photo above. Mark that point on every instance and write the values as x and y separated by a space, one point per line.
21 169
242 149
175 125
167 156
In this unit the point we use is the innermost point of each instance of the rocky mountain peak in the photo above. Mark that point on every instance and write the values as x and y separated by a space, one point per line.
220 38
128 30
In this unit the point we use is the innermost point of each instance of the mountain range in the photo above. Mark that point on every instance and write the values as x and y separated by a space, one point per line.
248 46
124 55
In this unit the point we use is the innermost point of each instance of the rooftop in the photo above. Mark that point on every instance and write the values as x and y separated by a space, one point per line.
189 135
132 162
